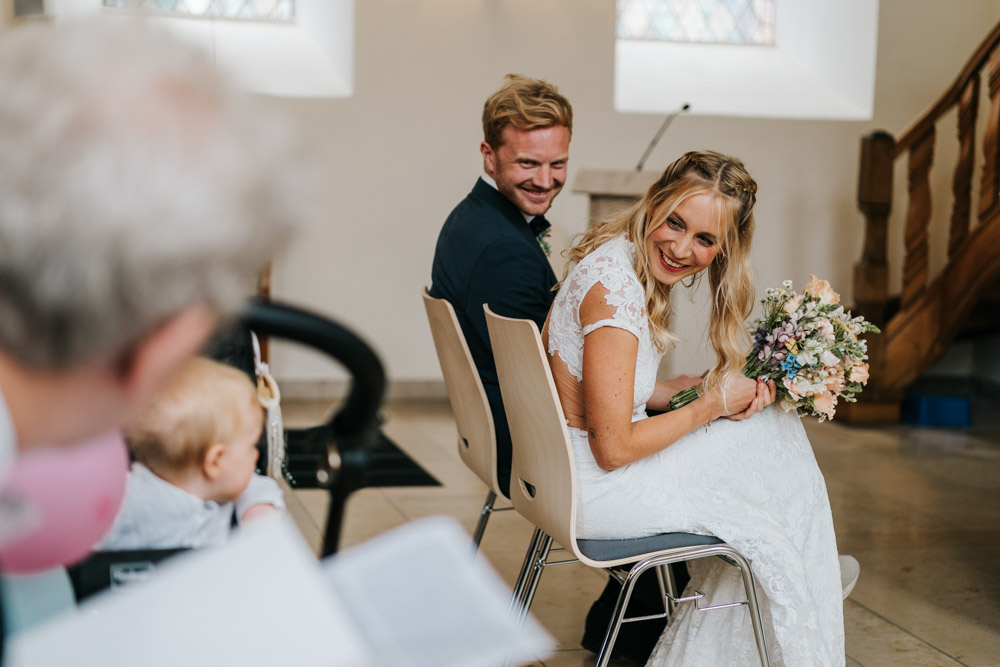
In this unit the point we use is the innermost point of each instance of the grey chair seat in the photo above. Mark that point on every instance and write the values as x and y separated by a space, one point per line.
610 550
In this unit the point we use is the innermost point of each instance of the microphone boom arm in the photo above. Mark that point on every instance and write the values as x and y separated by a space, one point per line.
659 133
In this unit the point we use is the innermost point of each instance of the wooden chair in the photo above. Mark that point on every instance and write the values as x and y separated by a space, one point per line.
477 445
543 490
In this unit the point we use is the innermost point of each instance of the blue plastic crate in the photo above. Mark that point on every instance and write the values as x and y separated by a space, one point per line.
949 411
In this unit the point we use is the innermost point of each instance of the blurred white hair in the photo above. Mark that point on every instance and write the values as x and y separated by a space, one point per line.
134 183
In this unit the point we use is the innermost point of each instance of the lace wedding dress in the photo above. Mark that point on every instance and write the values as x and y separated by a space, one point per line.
753 483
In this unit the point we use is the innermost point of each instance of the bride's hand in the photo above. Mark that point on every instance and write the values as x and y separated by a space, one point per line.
763 395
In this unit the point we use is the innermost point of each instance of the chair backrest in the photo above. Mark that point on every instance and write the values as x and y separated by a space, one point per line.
543 476
477 444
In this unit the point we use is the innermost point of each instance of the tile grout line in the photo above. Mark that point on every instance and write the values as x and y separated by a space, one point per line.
899 627
848 655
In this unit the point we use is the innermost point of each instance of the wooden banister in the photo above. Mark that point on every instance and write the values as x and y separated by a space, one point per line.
871 274
990 185
971 71
931 309
961 187
918 216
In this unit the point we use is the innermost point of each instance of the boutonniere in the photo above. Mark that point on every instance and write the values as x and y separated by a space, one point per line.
543 240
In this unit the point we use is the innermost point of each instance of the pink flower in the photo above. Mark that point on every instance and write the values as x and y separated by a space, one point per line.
792 387
825 328
821 290
835 382
825 404
793 304
859 373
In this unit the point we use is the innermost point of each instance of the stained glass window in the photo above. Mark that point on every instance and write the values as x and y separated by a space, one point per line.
711 21
269 10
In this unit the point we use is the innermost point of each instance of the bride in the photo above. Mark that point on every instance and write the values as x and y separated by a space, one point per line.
750 478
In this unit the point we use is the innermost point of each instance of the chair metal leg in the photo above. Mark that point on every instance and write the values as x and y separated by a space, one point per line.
484 516
604 655
735 558
668 588
522 577
534 576
753 606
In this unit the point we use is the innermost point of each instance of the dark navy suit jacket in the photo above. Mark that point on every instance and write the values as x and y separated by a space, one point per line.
487 253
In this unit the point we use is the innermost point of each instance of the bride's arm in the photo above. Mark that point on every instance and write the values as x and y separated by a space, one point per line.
665 390
609 359
609 356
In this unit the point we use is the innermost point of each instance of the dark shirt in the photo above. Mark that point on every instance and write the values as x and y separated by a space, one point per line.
487 253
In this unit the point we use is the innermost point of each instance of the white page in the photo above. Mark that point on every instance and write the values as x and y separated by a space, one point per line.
260 600
421 600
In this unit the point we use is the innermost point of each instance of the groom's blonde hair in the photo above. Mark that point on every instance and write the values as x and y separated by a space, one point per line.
524 104
734 191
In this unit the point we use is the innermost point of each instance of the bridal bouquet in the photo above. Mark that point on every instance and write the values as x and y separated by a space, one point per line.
810 346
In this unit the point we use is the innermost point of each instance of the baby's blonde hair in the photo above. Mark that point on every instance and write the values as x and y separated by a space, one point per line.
207 402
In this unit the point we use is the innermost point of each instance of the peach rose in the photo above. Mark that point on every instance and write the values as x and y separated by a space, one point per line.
821 290
859 373
825 404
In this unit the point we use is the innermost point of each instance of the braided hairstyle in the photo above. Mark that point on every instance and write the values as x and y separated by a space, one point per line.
730 276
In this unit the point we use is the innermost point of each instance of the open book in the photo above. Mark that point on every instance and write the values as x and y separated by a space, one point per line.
409 598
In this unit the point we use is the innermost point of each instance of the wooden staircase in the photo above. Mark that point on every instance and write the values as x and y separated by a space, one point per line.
921 323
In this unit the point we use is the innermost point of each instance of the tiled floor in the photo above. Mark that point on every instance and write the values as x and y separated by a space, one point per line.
919 508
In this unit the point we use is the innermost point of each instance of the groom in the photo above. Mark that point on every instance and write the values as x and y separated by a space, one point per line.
492 249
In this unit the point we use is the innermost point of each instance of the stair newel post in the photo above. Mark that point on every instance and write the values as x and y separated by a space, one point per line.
989 189
871 274
918 216
968 107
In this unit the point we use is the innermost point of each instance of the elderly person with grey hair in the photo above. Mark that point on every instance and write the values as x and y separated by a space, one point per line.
139 197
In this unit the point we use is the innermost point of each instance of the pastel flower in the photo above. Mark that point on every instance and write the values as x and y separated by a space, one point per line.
835 381
826 329
821 290
859 373
828 358
792 387
792 305
825 404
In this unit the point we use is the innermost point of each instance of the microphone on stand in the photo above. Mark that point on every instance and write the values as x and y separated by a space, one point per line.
659 133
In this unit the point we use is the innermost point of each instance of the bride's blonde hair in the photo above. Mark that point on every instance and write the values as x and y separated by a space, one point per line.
734 192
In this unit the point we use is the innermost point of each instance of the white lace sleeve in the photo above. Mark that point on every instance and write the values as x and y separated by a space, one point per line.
626 296
611 266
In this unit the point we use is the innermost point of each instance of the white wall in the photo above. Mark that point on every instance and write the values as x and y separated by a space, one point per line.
403 151
400 153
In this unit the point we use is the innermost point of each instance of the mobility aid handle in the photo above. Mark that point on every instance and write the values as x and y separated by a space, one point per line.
339 454
360 410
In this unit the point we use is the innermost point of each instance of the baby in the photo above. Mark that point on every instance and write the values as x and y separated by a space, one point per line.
195 453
